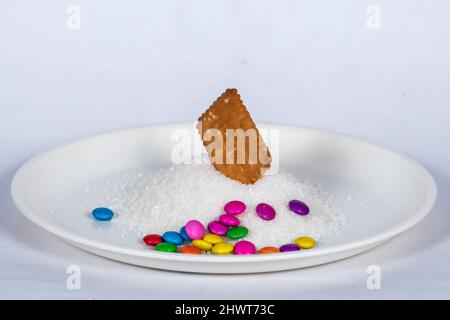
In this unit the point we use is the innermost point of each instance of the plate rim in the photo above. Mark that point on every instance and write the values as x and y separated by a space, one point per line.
72 237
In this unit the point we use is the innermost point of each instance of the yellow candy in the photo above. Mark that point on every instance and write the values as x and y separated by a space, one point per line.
202 244
305 242
213 238
222 248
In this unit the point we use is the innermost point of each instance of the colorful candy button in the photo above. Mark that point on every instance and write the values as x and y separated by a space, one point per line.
222 248
202 244
166 247
305 242
289 247
237 232
213 238
172 237
234 207
229 220
184 235
190 250
217 228
299 207
195 229
102 214
244 247
265 211
267 250
153 239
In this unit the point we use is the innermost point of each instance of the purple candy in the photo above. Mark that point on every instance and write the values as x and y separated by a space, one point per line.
217 228
244 247
289 247
229 220
234 207
299 207
265 211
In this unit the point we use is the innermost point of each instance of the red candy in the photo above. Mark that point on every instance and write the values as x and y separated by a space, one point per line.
153 239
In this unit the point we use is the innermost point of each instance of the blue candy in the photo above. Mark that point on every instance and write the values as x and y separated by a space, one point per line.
184 234
172 237
102 214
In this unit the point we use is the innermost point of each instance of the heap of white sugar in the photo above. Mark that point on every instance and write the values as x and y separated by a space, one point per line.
166 200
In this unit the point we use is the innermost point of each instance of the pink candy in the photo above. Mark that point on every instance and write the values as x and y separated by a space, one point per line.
265 211
244 247
234 207
195 229
217 228
229 220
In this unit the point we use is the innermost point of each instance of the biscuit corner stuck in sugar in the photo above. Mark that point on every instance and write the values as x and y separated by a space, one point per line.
232 140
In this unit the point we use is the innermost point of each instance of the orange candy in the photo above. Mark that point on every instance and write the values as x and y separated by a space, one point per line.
268 250
190 250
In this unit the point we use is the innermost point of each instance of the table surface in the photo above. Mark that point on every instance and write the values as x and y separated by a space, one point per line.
294 63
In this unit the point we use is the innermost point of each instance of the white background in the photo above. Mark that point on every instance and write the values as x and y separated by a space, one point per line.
310 63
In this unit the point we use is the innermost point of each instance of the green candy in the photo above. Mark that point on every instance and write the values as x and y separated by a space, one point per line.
166 247
237 232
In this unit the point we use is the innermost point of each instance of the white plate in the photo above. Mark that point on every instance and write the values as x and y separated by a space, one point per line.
382 193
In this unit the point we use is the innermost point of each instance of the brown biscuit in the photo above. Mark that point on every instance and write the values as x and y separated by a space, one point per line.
229 112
